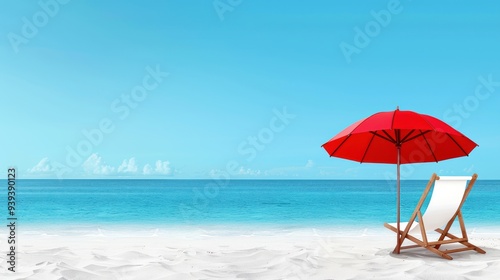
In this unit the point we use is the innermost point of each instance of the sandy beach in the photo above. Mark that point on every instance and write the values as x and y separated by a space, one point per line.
209 254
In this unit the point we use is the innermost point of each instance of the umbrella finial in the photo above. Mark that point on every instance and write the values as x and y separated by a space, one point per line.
397 108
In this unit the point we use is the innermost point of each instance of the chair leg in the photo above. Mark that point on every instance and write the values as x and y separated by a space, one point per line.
474 247
439 253
465 243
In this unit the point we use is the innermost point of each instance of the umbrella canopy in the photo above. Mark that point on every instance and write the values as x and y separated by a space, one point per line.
399 137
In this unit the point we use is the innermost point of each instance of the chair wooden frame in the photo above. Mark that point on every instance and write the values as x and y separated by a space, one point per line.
434 246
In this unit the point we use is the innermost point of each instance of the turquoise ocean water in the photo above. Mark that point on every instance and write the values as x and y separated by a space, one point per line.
294 203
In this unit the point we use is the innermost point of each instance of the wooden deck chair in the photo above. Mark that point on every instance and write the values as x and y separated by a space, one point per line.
448 196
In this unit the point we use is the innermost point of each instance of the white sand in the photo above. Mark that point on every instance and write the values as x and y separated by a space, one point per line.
212 254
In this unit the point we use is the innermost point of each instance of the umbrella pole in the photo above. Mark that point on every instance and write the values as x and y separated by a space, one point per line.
398 235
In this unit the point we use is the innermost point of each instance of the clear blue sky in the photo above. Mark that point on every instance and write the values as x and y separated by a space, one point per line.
253 86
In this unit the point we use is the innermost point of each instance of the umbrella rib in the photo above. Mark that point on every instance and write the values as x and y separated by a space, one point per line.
367 148
348 136
393 118
383 137
407 135
418 135
390 137
465 153
430 148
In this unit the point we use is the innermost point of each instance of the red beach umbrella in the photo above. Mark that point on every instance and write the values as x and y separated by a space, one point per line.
399 137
